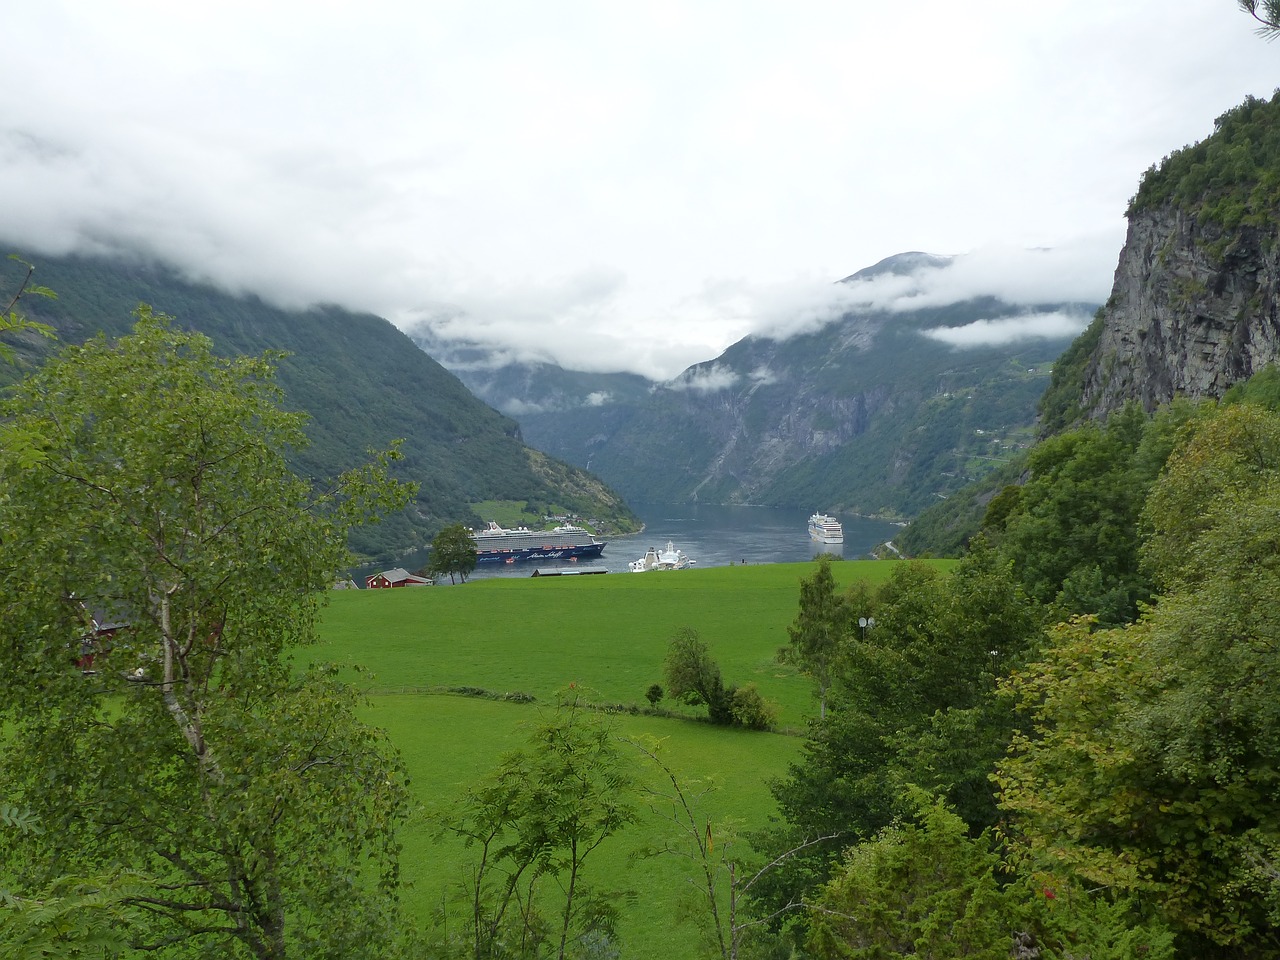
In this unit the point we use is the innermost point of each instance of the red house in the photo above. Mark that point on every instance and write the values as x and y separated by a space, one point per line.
397 577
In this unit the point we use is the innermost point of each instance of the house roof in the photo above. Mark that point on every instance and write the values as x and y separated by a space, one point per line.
397 575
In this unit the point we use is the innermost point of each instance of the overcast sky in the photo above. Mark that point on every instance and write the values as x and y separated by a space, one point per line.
612 186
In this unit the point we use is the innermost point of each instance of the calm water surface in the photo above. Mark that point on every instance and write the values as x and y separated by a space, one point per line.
719 536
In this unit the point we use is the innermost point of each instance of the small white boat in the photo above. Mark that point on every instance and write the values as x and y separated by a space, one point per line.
668 559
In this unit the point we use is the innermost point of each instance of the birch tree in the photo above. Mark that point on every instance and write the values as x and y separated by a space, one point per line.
158 561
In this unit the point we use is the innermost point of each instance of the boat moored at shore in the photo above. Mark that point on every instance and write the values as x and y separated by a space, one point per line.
495 544
668 559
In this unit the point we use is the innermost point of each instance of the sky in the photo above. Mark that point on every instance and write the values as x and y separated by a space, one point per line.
608 186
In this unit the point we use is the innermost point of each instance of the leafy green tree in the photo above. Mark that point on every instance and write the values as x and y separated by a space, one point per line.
1073 535
161 533
1262 389
999 509
22 447
1092 796
723 872
539 816
926 887
818 631
12 320
914 702
1225 460
694 678
920 888
72 918
1151 765
986 626
69 918
453 551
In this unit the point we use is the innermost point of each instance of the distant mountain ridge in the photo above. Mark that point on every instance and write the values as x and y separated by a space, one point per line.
866 415
362 382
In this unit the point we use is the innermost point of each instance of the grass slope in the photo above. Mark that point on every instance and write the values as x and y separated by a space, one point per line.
608 634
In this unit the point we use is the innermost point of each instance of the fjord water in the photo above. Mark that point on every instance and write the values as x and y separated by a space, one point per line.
719 536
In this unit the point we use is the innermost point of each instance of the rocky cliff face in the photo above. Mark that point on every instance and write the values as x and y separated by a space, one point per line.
1193 310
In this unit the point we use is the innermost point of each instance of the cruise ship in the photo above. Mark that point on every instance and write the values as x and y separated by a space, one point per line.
825 529
495 544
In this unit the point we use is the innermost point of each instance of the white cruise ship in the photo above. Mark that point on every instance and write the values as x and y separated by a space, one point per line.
825 529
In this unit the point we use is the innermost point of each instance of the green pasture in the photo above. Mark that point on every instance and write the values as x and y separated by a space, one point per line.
607 635
449 742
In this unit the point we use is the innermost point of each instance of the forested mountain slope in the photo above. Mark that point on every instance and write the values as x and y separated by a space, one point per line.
363 383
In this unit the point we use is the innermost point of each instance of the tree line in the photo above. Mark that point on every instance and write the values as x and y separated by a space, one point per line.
1071 745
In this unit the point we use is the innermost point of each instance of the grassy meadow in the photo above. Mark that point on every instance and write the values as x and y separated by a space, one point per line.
607 635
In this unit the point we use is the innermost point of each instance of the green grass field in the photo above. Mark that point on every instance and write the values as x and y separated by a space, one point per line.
608 636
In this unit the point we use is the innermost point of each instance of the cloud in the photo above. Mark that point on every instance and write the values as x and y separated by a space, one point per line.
515 407
704 379
986 333
598 399
1074 271
608 189
778 309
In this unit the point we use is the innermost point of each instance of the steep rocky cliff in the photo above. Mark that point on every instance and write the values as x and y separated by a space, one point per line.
1194 306
1193 310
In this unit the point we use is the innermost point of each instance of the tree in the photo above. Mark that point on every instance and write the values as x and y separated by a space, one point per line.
71 917
694 678
539 816
22 448
723 882
925 887
818 630
160 535
1152 763
11 320
920 888
1224 461
1269 18
913 701
1072 535
453 551
1150 769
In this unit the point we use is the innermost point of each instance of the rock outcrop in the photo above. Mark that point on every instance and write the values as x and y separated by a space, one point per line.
1192 312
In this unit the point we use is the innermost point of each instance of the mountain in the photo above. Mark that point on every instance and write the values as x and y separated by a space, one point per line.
524 390
1196 303
872 414
1195 307
362 382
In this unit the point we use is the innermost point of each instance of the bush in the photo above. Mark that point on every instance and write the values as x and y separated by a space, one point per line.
752 710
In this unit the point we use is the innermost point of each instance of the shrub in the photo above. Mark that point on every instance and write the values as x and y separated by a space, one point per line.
752 710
